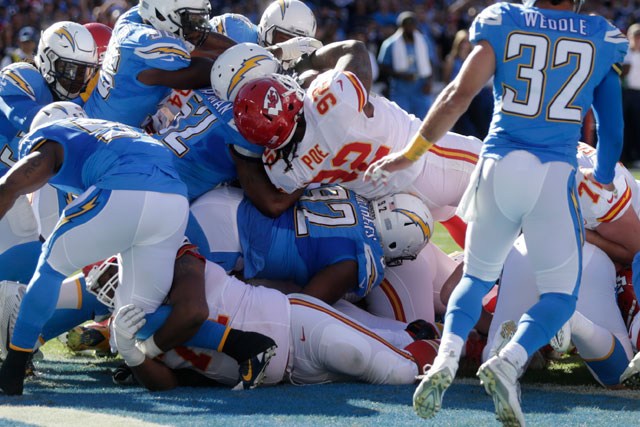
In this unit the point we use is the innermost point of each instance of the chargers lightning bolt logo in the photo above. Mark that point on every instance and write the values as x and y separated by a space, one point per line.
63 33
83 210
247 64
415 218
17 80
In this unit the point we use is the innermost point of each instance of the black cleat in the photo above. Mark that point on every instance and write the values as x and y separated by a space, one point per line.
252 371
12 372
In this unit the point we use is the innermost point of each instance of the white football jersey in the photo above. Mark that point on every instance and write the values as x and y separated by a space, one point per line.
242 306
599 205
340 141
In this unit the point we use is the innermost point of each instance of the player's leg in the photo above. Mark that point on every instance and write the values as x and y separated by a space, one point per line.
406 293
19 242
213 226
597 329
330 346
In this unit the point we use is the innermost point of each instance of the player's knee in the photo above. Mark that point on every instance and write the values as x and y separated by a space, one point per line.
348 358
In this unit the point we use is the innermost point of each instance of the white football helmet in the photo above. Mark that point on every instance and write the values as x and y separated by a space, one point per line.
104 288
235 26
187 19
292 18
577 4
239 64
67 58
404 224
56 111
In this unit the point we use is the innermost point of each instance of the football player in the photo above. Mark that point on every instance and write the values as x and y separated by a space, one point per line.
65 61
332 242
316 343
123 178
546 77
331 132
149 53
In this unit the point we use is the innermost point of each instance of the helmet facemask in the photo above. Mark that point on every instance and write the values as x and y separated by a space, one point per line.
102 280
70 77
195 26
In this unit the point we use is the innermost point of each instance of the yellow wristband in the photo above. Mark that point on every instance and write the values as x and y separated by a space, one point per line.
418 146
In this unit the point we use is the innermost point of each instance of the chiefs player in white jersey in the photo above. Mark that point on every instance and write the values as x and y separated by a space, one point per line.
334 130
316 343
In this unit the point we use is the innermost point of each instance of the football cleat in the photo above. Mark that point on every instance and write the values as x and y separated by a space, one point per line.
631 376
252 371
422 330
500 380
561 341
503 335
11 294
427 399
123 375
89 338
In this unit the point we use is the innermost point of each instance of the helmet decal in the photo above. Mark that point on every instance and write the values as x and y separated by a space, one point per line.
64 34
272 102
415 218
247 65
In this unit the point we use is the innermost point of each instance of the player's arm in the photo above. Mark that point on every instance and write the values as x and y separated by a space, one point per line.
349 55
213 46
607 105
19 110
189 309
194 76
332 282
30 173
259 189
620 239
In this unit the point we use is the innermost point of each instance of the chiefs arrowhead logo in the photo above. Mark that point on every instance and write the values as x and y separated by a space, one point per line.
272 102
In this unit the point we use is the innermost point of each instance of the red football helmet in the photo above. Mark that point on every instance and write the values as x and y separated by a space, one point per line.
267 110
101 35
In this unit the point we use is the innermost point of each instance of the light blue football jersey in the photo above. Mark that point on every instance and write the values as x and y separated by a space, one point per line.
326 226
23 92
200 137
133 48
107 155
235 26
548 64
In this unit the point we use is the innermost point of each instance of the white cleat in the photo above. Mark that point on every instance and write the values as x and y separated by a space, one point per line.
11 294
631 376
500 380
427 399
503 335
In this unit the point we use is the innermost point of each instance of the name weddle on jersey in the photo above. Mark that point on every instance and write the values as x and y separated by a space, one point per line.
260 213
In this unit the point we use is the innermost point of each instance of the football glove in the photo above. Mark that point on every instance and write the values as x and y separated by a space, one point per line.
127 322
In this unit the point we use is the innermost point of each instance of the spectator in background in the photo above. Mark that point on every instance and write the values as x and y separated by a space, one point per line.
404 59
475 121
26 48
631 98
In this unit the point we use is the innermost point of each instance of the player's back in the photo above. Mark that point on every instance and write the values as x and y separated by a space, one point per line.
340 140
200 137
134 47
328 225
108 155
548 64
23 92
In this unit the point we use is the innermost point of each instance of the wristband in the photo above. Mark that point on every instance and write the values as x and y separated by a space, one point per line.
418 146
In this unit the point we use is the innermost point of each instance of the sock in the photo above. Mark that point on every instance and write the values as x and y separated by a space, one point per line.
457 228
210 335
516 354
19 262
12 372
451 343
608 369
465 305
538 325
38 306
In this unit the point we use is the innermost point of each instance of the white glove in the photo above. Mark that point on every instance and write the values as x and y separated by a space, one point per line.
126 323
296 47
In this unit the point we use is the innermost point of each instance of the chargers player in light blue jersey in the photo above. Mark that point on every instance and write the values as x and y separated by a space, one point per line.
65 61
235 26
201 137
123 178
332 242
149 53
550 65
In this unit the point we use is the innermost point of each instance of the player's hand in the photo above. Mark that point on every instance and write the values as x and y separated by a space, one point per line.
381 170
296 47
126 323
588 173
